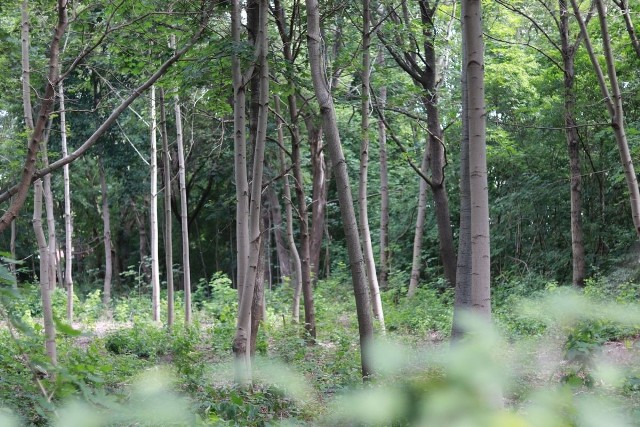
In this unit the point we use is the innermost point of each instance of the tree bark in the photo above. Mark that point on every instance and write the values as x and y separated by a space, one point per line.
51 222
168 229
462 298
296 283
281 250
68 220
416 263
241 341
573 145
614 105
153 210
385 253
363 205
480 254
318 194
106 222
329 122
45 289
626 13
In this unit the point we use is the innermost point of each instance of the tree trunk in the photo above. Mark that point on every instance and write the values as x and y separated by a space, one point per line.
383 275
68 221
329 122
318 194
184 219
416 264
45 289
626 13
12 249
462 298
153 211
52 263
281 250
241 341
573 145
240 154
108 266
296 283
168 231
480 254
614 105
363 205
257 307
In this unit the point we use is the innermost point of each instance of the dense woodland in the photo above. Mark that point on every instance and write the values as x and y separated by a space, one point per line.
247 213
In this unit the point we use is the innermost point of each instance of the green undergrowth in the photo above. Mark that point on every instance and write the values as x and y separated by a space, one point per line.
114 365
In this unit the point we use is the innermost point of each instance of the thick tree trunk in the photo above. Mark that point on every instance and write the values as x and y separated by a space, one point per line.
614 105
296 283
480 254
385 253
363 204
241 341
68 220
153 210
573 145
45 289
462 298
168 229
329 122
106 222
416 263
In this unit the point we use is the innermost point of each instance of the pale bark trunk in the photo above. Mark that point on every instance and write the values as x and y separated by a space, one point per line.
416 263
240 154
365 234
614 105
480 254
296 283
153 210
462 298
68 221
45 290
241 341
12 248
168 231
573 145
106 222
318 194
325 100
385 253
184 219
258 306
52 263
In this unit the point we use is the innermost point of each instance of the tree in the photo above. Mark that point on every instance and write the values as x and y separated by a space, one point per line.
613 102
153 209
480 254
329 124
106 223
68 224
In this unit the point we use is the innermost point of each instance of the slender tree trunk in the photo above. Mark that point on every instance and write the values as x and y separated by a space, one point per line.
281 250
68 220
365 234
462 298
12 248
257 306
106 221
45 289
383 275
240 154
416 264
241 341
626 13
318 194
614 104
184 219
329 121
296 283
168 231
573 145
52 263
480 254
153 211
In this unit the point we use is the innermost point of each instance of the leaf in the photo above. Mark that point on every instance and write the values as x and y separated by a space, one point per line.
66 329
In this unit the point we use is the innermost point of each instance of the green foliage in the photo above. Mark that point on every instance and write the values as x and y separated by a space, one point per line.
429 311
145 340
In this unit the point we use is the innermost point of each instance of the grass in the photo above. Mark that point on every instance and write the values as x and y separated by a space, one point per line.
137 369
